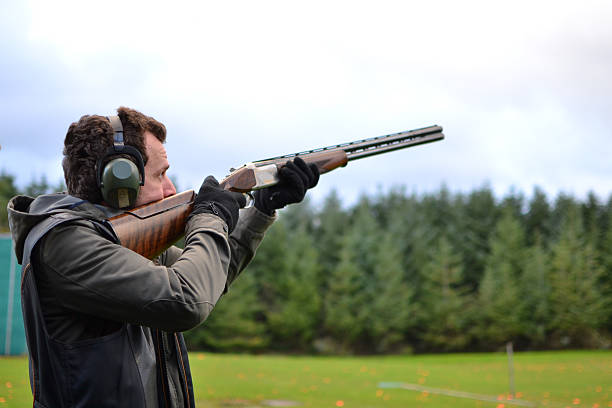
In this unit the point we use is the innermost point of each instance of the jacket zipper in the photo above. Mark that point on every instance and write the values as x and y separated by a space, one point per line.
179 356
161 359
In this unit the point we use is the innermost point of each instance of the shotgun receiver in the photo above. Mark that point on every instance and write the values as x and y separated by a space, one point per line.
152 228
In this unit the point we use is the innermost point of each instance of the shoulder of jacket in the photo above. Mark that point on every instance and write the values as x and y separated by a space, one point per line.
46 227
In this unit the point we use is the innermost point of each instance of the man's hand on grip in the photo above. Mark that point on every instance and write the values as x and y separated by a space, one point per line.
212 199
295 178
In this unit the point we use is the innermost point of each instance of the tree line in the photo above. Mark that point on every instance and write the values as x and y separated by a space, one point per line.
405 272
439 272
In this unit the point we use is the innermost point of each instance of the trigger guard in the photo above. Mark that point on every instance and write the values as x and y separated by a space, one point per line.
250 200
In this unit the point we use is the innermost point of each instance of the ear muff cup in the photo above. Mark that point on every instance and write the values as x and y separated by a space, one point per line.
120 183
120 178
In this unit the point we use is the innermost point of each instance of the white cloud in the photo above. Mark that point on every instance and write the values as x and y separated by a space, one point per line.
521 88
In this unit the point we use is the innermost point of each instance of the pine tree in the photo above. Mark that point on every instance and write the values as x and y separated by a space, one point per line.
514 201
390 306
606 262
579 309
345 301
294 320
439 211
330 226
498 297
269 264
564 204
366 232
538 219
595 222
413 234
445 304
535 311
478 219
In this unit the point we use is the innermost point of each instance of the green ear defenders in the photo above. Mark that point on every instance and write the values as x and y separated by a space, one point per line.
120 179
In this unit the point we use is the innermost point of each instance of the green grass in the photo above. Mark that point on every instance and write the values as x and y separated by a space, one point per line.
14 382
549 379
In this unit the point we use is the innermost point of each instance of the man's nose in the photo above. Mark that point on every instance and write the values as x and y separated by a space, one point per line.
169 188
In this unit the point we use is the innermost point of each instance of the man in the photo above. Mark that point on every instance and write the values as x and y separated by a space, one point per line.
102 322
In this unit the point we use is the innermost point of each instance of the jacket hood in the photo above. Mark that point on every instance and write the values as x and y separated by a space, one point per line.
25 212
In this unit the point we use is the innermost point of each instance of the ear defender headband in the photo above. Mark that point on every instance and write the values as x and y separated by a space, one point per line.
120 179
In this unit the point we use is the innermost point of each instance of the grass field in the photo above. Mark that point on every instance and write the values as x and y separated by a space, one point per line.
545 379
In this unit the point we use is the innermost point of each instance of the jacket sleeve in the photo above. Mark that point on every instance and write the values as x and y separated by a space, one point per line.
92 275
244 241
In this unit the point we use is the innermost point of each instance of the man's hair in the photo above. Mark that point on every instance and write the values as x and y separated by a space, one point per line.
88 140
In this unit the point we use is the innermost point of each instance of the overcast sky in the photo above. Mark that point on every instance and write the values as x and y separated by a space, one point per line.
522 88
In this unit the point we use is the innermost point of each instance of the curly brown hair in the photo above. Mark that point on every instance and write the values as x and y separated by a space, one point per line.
89 139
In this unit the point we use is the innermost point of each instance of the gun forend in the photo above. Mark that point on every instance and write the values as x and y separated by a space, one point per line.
257 175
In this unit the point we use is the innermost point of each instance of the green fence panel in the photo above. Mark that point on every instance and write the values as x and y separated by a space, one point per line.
12 334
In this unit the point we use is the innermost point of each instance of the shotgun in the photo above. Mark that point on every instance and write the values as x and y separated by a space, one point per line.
153 227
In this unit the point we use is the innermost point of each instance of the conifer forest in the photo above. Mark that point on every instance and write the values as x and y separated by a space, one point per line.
400 272
439 272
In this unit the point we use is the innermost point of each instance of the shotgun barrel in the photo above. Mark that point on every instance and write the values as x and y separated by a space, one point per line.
369 147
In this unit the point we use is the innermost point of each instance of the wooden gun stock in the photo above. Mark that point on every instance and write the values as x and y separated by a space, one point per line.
152 228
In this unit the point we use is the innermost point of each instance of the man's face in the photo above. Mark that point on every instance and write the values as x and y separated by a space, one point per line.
157 184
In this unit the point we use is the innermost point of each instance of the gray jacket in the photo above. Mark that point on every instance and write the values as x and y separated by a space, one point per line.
90 287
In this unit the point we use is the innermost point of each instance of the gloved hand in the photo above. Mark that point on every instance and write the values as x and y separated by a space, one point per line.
212 199
295 178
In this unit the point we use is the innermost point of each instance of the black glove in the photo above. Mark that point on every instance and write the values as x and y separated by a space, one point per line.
295 178
212 199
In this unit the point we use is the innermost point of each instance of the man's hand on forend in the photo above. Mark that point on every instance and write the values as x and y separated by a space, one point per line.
296 177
